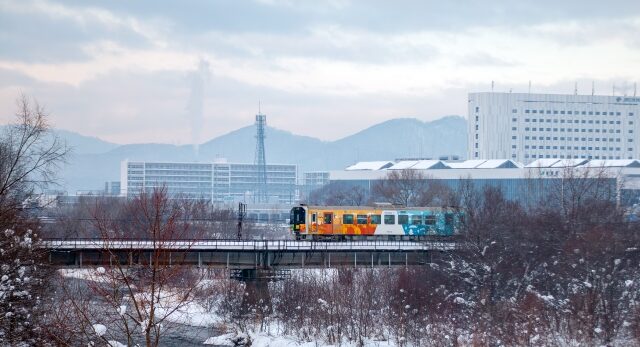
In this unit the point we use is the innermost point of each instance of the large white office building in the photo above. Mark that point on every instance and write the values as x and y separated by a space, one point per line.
216 182
526 127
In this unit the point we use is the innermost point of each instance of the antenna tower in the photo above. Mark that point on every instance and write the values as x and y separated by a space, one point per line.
260 194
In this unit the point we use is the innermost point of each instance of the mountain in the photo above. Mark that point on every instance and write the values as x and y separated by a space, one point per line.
82 144
95 161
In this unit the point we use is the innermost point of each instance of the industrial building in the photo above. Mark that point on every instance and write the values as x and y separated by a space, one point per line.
517 181
526 127
219 182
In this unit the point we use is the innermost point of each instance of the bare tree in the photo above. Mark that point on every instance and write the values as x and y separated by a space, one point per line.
401 187
29 158
339 194
139 293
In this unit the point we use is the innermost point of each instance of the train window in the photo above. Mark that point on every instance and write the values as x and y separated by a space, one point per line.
430 220
448 219
389 219
313 217
328 218
362 219
416 219
403 219
297 215
376 219
347 219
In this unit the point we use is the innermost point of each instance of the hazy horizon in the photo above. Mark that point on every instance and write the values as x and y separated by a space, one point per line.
186 72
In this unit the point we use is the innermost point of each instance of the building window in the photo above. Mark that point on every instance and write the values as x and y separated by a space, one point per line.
514 119
514 111
514 137
514 128
477 109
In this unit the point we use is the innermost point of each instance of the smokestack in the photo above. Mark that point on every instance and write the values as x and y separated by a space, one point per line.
195 107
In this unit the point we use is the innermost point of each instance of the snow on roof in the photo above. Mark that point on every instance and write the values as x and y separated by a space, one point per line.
612 163
467 164
403 164
569 162
370 165
430 164
543 163
498 164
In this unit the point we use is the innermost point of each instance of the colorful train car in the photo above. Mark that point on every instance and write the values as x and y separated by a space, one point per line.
371 223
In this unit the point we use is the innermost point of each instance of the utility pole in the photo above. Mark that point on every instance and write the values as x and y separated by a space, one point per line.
242 212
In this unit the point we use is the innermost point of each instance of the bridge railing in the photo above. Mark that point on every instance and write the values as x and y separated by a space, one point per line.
245 245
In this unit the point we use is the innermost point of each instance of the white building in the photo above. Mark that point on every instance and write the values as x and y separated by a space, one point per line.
216 182
526 127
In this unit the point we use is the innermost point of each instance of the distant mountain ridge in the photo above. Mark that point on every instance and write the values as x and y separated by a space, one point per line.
95 161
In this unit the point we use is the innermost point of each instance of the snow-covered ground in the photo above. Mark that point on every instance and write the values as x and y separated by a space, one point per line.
266 340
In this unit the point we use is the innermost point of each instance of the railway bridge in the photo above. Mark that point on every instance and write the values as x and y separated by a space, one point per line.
245 254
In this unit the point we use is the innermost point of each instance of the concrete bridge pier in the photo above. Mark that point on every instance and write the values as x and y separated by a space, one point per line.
256 282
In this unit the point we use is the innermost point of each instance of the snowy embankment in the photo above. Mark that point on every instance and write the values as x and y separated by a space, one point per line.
266 340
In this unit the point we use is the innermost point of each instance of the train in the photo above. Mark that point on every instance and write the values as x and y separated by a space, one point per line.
373 223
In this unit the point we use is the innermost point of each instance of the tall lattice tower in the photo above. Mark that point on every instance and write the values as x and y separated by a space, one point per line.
260 193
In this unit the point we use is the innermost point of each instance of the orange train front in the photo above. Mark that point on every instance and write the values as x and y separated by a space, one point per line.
353 222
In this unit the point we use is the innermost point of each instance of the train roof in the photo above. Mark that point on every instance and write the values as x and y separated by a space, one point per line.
383 208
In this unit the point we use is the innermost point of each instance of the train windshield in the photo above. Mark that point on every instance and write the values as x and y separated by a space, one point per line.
297 216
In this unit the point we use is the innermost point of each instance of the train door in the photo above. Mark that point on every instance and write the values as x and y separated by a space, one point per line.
314 222
327 221
389 226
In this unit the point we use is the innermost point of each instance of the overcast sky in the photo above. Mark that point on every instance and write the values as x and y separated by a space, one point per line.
184 71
